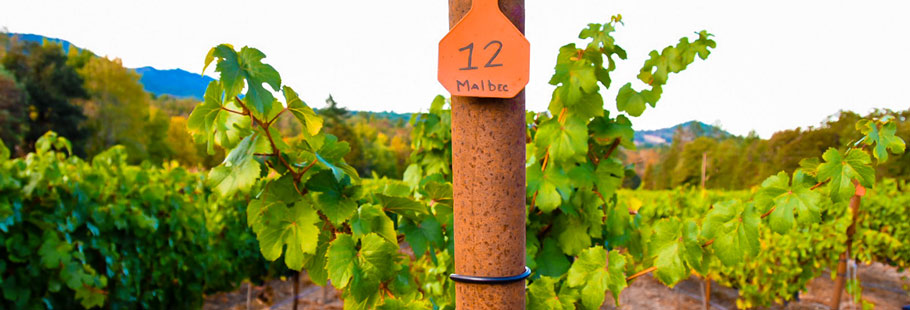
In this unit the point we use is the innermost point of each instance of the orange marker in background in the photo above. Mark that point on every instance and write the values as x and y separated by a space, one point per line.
484 55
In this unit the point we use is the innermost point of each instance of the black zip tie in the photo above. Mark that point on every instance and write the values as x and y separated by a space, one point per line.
491 280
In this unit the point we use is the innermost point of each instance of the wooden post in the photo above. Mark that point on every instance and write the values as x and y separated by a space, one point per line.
704 168
842 264
707 292
488 163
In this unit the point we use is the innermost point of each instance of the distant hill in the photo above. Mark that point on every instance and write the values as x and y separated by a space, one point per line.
393 116
174 82
28 37
690 130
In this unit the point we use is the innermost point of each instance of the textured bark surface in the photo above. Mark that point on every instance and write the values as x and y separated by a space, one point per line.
488 156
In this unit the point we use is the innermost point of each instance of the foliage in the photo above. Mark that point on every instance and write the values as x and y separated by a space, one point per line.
117 108
13 109
78 234
122 236
51 85
783 264
735 162
312 202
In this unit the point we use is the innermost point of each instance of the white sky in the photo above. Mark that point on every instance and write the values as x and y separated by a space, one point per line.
778 64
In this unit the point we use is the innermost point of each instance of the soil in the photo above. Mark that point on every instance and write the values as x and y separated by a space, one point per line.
277 294
882 286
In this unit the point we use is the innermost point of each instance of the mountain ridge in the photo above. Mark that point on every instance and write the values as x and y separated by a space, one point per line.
689 131
178 83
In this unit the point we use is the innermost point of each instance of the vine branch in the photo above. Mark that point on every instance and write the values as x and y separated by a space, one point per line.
275 151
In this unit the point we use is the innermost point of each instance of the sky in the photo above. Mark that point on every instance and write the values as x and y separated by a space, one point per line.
778 64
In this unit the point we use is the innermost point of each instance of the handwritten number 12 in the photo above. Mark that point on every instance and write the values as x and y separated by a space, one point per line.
490 64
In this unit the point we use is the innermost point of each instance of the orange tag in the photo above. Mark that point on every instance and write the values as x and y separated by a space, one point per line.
484 55
860 190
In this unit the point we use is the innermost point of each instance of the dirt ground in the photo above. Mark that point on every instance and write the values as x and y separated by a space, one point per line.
882 285
277 294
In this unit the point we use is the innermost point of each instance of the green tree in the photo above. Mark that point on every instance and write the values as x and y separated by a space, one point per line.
51 85
335 124
688 169
13 110
118 108
156 133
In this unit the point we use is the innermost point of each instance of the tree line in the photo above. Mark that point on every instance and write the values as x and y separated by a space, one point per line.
97 103
737 162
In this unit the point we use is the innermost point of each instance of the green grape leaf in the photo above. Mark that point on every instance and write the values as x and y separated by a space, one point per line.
609 173
572 234
575 73
438 103
809 166
247 64
656 69
618 226
315 264
583 176
701 45
786 199
54 252
294 227
335 200
616 275
551 261
600 38
398 304
371 219
438 193
341 257
75 276
4 152
591 273
376 256
590 206
255 211
672 251
257 73
694 255
363 291
331 156
229 67
282 189
630 101
212 124
583 105
90 296
882 136
734 228
605 131
239 171
564 141
532 247
307 117
412 176
551 186
402 204
542 295
843 170
422 237
403 283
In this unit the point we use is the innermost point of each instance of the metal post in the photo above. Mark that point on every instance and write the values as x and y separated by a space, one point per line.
488 163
